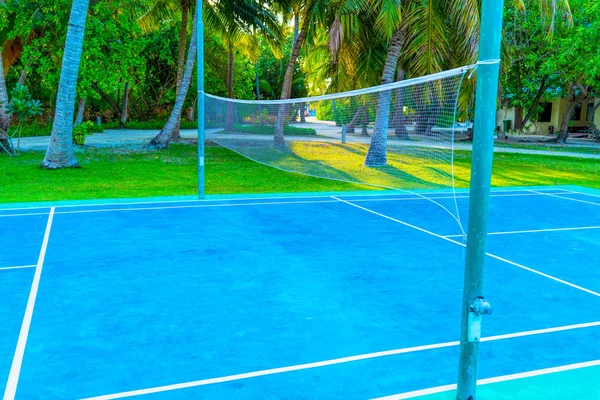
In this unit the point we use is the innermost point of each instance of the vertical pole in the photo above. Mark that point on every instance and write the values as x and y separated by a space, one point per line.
474 305
344 135
200 73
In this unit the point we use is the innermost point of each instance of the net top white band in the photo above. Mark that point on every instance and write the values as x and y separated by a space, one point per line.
373 89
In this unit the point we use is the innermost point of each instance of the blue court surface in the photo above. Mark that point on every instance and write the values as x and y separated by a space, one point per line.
353 296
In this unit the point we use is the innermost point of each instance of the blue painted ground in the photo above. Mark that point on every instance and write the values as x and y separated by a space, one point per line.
138 296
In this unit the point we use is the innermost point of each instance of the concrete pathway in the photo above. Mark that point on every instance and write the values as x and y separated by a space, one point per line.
327 131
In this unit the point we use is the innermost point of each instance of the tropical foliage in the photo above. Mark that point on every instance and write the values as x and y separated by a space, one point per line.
132 61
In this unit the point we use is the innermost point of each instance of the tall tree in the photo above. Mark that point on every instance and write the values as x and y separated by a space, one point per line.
161 141
236 22
4 116
311 13
160 11
60 152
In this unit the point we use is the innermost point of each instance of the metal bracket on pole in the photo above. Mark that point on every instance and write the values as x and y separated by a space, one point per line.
477 309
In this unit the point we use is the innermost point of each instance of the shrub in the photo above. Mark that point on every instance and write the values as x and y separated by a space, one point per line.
81 131
270 130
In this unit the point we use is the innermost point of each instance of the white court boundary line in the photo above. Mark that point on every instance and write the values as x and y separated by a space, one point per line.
463 245
17 267
22 215
15 369
535 231
575 192
384 193
496 379
566 198
204 205
273 371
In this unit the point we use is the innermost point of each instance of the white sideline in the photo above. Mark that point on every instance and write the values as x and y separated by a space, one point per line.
17 267
407 194
15 369
497 379
574 192
579 228
463 245
21 215
203 205
335 361
566 198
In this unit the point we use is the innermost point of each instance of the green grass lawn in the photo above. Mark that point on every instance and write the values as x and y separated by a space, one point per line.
116 173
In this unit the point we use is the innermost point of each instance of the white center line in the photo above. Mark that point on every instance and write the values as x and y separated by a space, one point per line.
15 369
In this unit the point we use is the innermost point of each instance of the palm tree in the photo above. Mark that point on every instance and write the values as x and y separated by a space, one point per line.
312 13
160 11
161 141
237 22
4 117
431 36
60 150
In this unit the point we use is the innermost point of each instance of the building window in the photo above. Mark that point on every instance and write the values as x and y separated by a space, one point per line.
590 111
546 115
577 113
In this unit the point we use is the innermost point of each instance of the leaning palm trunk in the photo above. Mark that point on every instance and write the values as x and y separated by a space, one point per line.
377 154
356 119
4 117
398 119
230 118
80 111
161 141
60 150
286 90
125 107
181 54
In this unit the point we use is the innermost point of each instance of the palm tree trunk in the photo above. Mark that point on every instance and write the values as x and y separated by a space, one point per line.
23 76
125 106
161 141
286 90
181 54
377 154
4 118
80 111
296 28
257 80
356 119
398 119
60 150
230 118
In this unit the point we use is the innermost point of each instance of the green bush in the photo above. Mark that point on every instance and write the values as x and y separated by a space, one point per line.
344 111
148 125
270 130
81 131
